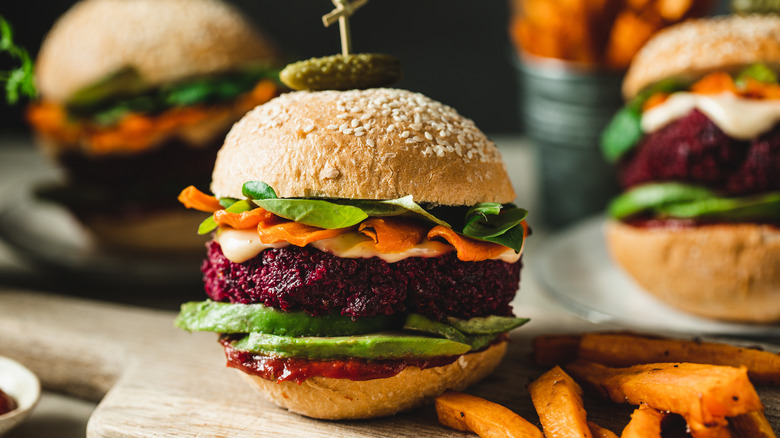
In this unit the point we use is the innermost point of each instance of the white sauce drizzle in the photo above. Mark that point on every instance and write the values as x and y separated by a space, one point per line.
242 245
738 117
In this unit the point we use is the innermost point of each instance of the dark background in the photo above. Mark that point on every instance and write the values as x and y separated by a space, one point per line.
455 51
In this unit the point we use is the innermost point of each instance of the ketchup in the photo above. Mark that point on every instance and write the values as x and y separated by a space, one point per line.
7 403
297 370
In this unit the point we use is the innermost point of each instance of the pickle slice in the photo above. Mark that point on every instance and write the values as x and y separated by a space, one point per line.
339 72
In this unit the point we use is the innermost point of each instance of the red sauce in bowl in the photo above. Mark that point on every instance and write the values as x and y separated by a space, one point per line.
7 403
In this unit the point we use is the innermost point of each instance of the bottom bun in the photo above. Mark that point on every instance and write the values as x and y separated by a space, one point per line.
164 232
721 271
344 399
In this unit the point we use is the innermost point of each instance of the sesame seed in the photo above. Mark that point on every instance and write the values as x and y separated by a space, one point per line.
347 131
308 129
343 126
405 134
342 116
428 136
355 123
390 128
333 127
370 142
416 126
360 133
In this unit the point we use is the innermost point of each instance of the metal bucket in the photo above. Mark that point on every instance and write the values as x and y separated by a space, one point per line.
563 110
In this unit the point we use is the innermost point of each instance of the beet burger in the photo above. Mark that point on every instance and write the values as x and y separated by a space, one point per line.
365 254
698 154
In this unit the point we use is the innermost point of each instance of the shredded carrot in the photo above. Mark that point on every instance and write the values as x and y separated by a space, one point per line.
296 233
243 220
194 198
655 100
760 90
136 132
393 235
715 83
469 250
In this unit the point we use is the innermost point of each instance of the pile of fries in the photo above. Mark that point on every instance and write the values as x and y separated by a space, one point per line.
597 33
678 386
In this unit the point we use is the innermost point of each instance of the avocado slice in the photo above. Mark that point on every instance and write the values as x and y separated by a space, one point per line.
247 318
487 325
652 196
757 207
385 345
419 323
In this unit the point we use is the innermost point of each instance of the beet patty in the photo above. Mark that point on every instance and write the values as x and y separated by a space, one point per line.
693 149
305 278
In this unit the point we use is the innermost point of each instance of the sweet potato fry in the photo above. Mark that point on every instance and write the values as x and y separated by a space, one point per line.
620 350
701 393
599 432
751 425
487 419
555 349
558 401
718 429
645 423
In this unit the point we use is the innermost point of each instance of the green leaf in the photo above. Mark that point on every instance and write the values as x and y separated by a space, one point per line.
621 134
501 226
227 202
654 196
756 207
759 72
258 190
314 212
624 130
19 80
210 225
407 202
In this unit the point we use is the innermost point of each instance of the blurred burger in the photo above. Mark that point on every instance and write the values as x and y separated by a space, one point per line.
135 99
365 253
698 154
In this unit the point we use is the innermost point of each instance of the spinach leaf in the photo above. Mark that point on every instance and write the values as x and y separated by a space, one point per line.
314 212
621 134
487 222
653 196
625 129
258 190
407 202
210 225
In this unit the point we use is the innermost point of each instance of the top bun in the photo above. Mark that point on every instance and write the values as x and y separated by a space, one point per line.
164 40
362 144
694 48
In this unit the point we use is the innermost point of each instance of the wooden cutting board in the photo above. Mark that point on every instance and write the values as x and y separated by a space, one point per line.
155 380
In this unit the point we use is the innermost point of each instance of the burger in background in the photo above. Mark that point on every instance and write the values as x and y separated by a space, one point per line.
697 149
135 98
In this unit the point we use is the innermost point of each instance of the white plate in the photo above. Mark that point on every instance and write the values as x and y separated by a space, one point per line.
576 270
21 384
48 235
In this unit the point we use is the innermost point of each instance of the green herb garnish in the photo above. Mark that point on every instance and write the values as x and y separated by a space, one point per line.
19 80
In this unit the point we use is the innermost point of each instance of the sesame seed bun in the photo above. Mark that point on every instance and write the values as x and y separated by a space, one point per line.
343 399
722 271
362 144
164 40
694 48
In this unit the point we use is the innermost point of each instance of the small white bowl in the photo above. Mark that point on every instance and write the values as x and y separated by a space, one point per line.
21 384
